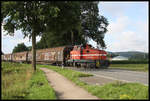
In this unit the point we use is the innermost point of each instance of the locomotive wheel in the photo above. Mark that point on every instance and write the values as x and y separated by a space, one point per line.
104 64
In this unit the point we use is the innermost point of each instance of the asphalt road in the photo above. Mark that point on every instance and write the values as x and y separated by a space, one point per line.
118 74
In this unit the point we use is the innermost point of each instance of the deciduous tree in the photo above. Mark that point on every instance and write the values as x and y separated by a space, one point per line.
28 16
77 22
20 48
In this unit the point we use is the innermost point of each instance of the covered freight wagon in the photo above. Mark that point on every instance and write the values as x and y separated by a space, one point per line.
57 55
7 57
20 56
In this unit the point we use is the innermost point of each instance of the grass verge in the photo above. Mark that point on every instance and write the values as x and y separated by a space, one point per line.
115 90
39 87
14 80
134 67
19 82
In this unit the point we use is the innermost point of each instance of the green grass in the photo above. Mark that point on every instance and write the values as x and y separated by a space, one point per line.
115 90
135 67
120 90
39 87
14 80
19 82
130 62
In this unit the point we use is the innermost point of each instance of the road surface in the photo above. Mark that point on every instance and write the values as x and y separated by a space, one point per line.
118 74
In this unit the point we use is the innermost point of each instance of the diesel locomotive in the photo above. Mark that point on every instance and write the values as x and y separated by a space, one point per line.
78 56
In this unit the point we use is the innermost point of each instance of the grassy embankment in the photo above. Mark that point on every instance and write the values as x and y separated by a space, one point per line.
19 82
131 65
115 90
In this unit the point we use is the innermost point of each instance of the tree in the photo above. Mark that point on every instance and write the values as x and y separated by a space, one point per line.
94 26
28 16
68 20
29 48
20 48
84 22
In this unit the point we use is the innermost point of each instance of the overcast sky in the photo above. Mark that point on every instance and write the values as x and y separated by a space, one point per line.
127 30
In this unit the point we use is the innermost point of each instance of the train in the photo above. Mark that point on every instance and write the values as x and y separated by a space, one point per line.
76 56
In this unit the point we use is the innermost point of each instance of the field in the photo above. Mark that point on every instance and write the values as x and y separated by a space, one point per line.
19 82
117 90
131 65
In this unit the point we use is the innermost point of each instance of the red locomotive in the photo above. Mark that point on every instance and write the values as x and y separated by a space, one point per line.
87 56
79 55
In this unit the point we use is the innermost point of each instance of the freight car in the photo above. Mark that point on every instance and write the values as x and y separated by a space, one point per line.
78 55
7 57
20 56
55 55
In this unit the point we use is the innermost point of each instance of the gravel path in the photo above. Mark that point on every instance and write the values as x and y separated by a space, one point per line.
64 88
